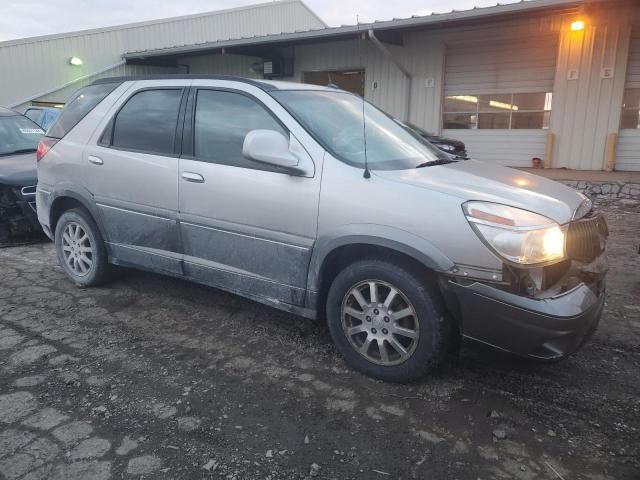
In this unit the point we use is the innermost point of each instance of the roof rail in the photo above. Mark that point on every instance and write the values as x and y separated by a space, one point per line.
181 76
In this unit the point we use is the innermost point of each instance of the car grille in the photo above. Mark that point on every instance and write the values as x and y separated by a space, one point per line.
587 237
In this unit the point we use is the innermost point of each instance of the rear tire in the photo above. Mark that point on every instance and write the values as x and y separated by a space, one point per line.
395 330
80 249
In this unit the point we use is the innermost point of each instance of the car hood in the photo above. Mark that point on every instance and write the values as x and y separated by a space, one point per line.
19 170
478 180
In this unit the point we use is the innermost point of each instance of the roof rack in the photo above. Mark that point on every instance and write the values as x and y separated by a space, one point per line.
182 76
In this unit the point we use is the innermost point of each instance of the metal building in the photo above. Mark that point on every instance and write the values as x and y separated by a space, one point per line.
39 69
553 79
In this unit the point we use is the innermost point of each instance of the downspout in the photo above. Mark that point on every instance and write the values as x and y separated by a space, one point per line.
385 51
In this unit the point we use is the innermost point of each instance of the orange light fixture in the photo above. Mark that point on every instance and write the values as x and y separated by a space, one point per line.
577 26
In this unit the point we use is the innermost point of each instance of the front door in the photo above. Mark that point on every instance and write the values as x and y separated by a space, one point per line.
133 175
246 227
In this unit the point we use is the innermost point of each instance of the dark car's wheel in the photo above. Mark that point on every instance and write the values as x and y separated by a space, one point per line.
80 248
386 321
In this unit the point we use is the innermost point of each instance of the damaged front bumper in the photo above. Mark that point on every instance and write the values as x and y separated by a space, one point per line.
18 218
548 326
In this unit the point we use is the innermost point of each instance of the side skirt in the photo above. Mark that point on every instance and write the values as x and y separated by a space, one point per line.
242 285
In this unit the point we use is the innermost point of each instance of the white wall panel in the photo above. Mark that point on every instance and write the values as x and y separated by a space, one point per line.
34 65
586 110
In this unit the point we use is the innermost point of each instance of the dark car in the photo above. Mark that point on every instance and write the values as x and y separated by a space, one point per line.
43 116
448 145
19 138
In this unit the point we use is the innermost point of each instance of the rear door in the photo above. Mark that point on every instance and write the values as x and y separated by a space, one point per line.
133 172
245 226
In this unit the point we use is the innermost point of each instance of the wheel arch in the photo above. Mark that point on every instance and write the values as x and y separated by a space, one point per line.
66 199
330 257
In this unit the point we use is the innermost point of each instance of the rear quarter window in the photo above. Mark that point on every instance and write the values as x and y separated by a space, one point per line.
78 106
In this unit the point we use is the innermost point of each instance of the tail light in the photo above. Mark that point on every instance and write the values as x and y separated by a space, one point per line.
46 143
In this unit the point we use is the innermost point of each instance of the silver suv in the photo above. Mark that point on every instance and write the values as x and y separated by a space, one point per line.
310 200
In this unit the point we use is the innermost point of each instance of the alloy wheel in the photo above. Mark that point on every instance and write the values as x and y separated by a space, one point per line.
380 322
77 249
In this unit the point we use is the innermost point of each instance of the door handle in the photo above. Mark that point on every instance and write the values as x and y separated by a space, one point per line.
95 160
193 177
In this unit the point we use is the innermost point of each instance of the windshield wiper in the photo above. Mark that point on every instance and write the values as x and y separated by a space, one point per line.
433 163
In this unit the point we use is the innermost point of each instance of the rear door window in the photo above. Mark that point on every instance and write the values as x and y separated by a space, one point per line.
78 106
148 122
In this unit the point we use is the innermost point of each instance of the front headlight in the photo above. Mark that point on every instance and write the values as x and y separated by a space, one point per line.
517 235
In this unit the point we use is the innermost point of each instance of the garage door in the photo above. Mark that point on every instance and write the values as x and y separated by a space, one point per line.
498 97
628 157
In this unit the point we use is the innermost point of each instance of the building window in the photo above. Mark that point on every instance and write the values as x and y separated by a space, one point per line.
631 109
503 111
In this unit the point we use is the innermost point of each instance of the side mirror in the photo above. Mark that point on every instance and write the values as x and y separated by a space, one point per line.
270 147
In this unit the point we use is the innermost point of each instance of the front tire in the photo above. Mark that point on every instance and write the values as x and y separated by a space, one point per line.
386 321
80 249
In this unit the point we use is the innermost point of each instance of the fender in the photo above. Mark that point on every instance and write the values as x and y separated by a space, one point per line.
378 235
82 195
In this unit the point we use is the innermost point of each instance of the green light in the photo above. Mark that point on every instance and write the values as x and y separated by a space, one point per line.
75 61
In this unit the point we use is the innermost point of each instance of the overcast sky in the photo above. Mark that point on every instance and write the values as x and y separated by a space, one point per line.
27 18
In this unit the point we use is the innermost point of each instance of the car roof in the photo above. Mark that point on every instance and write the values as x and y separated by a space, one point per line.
266 85
5 112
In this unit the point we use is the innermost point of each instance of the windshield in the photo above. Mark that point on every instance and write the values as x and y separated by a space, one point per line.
335 119
18 134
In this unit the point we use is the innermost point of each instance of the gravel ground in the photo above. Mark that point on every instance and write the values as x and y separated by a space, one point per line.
152 377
